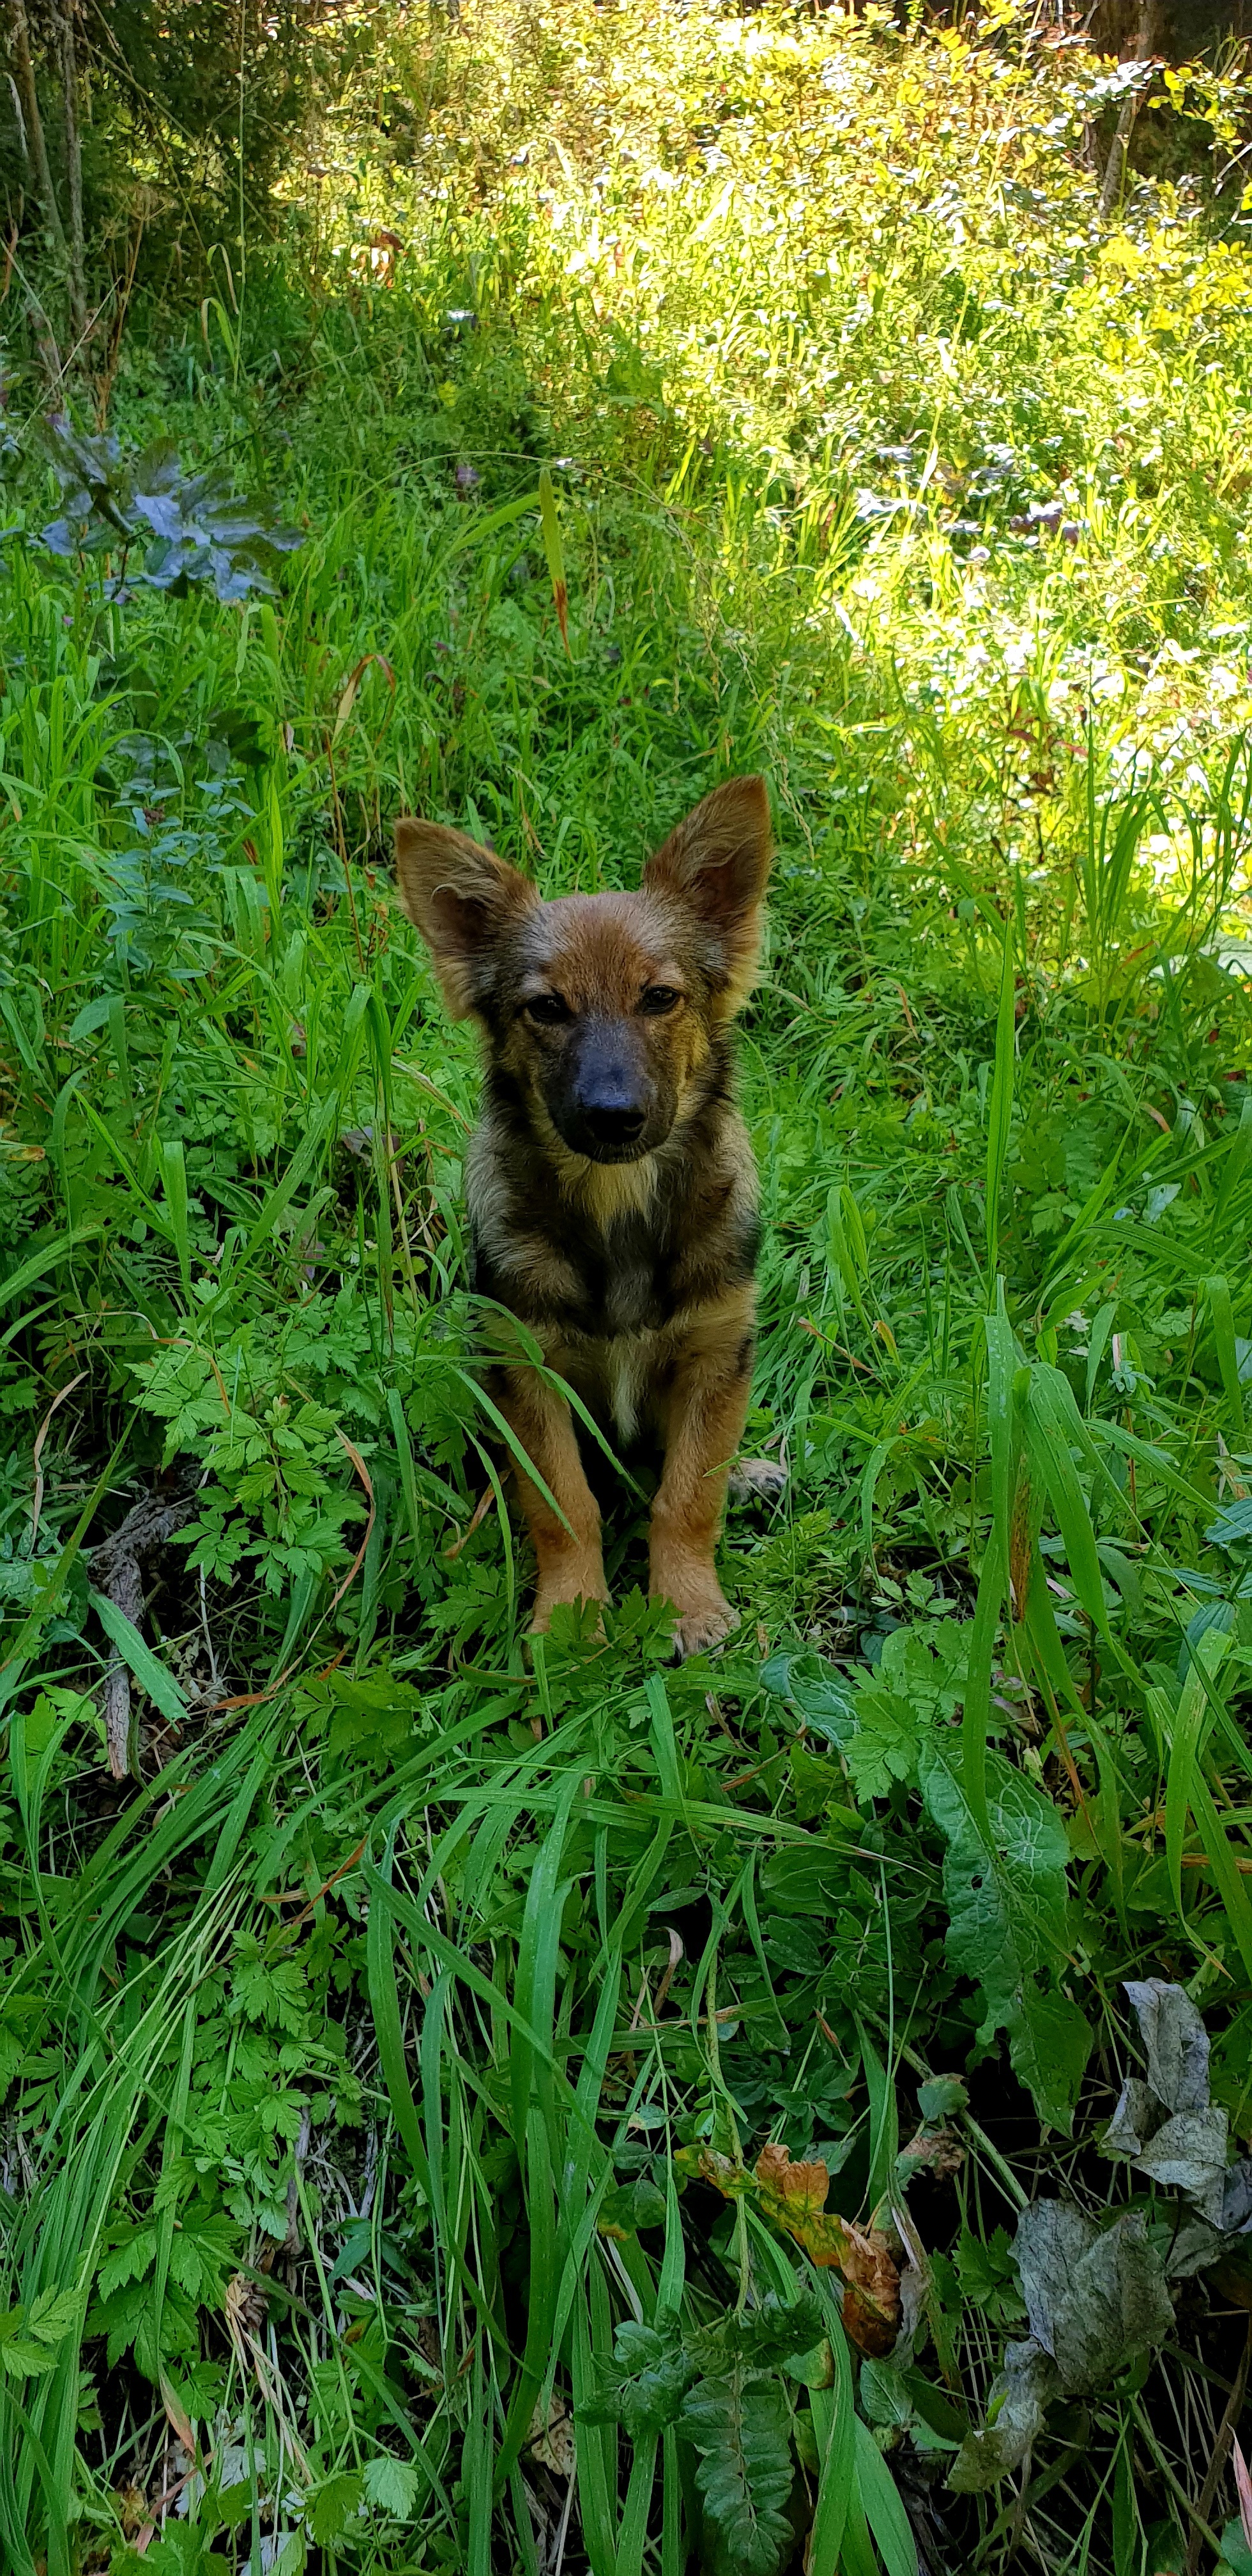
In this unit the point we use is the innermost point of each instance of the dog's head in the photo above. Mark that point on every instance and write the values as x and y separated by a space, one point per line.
603 1008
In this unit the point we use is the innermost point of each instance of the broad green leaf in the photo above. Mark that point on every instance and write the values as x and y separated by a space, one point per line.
1006 1901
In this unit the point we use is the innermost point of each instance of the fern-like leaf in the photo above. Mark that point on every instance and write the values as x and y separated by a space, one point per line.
739 2424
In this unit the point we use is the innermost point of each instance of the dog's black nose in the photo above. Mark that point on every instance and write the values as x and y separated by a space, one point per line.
613 1123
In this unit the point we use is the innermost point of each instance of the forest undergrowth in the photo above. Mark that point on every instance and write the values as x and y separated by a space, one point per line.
479 2108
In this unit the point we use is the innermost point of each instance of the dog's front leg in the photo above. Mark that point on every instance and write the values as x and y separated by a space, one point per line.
704 1421
570 1565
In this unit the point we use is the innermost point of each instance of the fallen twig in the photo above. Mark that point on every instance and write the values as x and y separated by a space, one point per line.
115 1573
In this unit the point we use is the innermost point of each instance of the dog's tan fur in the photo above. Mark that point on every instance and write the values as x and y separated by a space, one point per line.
635 1276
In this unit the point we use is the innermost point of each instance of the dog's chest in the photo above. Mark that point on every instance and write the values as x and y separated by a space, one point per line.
627 1373
634 1289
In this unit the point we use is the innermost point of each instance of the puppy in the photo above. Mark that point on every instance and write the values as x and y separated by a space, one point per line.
612 1192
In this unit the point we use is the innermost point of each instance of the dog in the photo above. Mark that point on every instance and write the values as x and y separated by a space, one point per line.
611 1185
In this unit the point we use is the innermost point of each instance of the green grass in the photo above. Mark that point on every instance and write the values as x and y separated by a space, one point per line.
408 2021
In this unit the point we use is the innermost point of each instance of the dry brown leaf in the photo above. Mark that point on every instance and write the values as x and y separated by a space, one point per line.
803 2187
793 2196
550 2440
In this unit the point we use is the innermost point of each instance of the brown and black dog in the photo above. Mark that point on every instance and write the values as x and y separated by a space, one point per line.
612 1191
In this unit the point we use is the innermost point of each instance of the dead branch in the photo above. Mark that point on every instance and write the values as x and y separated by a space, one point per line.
115 1573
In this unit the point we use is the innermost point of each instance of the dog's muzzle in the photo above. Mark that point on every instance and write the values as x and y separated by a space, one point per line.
607 1108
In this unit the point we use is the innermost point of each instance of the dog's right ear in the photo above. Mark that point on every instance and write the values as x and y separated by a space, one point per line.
717 863
461 897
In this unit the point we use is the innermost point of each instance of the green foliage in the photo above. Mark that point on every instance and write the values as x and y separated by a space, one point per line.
193 528
720 2388
654 401
29 2337
1006 1898
741 2432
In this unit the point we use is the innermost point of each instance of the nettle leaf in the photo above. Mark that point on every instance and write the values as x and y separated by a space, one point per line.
644 2386
1006 1903
781 2330
1049 2045
767 2337
885 2399
741 2427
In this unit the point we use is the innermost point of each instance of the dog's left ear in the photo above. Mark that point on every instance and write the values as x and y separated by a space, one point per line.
717 864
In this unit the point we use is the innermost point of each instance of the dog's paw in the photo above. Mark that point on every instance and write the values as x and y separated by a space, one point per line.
758 1480
699 1630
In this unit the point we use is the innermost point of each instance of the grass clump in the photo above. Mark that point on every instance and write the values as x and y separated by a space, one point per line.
472 2112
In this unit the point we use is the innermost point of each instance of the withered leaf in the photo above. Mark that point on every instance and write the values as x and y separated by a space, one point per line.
1016 2405
1095 2297
793 2196
702 2163
1138 2114
1176 2042
1188 2153
802 2187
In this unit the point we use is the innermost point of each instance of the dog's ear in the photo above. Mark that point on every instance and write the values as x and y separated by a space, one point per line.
717 864
461 898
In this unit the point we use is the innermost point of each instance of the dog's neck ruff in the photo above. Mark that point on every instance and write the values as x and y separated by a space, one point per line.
610 1190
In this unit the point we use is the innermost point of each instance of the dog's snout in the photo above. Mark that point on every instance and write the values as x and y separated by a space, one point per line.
614 1122
610 1096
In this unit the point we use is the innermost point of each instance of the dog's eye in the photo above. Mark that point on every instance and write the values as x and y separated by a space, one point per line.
548 1009
658 999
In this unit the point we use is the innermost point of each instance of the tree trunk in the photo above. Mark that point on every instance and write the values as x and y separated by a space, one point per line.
36 148
73 169
1145 34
